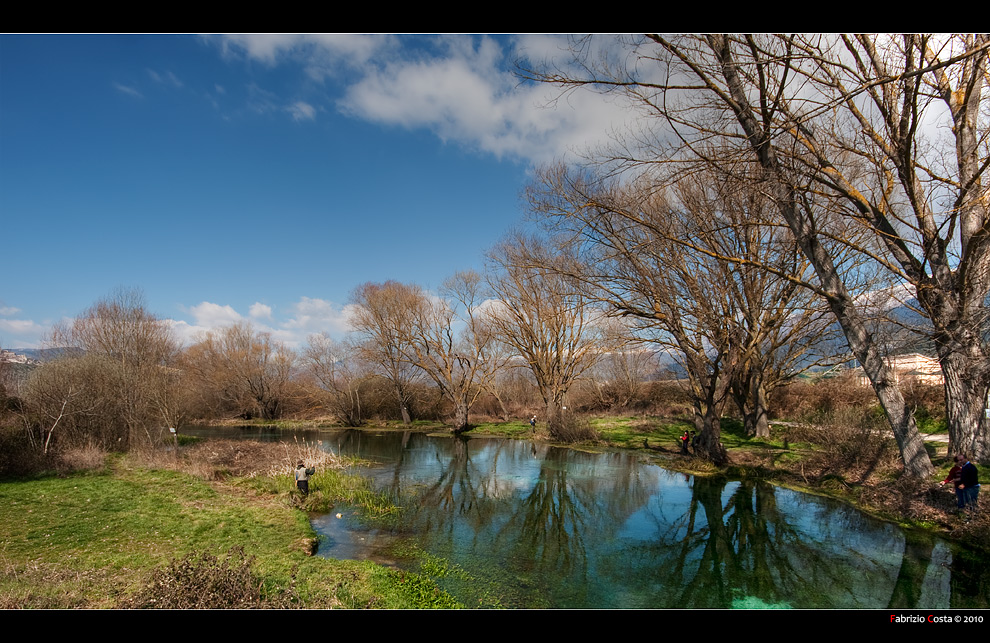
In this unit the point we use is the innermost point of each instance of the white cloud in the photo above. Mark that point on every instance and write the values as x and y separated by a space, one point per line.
185 332
462 88
260 100
167 78
9 310
302 111
130 91
313 315
493 307
259 310
21 333
21 327
885 299
470 94
320 54
212 315
265 48
18 326
307 316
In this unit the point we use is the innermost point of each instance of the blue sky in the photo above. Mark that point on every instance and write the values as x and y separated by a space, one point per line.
262 177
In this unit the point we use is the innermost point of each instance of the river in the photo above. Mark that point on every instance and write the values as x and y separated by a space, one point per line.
516 524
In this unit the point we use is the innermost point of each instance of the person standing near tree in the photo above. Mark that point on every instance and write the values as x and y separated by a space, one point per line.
953 477
969 484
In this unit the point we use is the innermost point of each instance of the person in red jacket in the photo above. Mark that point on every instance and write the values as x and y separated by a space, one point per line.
953 477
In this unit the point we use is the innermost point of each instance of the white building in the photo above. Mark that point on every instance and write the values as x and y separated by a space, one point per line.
911 367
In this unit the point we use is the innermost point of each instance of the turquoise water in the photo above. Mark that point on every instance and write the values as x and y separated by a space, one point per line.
513 524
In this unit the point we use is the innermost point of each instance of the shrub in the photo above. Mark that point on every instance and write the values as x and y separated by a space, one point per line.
568 427
19 457
82 457
202 581
849 444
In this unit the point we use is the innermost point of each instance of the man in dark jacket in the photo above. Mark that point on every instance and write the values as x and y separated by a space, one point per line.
969 483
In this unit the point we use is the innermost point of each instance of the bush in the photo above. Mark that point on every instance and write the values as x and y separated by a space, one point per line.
670 398
220 459
849 444
202 581
19 458
816 402
568 427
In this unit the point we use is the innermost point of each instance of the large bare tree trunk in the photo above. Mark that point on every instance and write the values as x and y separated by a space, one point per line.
965 400
461 408
709 443
901 419
913 454
751 399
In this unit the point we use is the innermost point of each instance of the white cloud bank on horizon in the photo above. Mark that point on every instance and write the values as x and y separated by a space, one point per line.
259 310
22 333
308 316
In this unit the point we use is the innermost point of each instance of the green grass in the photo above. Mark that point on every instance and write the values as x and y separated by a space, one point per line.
629 432
930 424
327 488
91 540
514 429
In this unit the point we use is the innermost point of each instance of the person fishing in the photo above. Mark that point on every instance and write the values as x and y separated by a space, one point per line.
302 477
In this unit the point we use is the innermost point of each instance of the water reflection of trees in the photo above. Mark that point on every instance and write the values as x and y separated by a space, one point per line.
553 521
738 549
558 523
529 510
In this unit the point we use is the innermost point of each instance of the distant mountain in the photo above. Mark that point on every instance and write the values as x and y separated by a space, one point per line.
905 331
44 354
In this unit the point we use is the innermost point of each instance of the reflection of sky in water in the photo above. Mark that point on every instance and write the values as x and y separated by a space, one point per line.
672 498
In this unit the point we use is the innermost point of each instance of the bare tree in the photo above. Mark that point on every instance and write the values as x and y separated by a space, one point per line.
888 129
453 343
119 359
333 364
243 371
783 327
620 376
655 256
544 317
447 337
383 316
64 395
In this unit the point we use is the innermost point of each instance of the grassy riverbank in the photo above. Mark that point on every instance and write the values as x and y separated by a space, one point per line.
133 535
